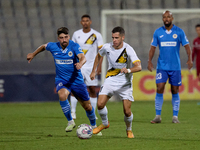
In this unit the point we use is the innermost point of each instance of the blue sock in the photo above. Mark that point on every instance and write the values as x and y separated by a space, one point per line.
158 103
175 104
66 109
91 116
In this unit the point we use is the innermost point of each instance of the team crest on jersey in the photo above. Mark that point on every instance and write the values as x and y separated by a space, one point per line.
70 53
91 39
123 57
175 36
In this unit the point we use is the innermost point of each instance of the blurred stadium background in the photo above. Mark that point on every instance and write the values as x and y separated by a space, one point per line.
26 24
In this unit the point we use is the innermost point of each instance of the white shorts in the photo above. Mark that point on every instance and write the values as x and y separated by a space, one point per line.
122 91
86 76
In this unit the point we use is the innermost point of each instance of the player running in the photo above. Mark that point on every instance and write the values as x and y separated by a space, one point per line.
90 41
196 50
69 59
168 38
123 61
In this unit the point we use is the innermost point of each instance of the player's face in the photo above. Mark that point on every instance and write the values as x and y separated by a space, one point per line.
64 40
198 31
167 18
86 22
117 40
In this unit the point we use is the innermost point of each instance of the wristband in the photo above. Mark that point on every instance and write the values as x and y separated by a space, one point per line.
129 70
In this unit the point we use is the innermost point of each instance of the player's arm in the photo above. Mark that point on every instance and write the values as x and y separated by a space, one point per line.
100 63
82 61
189 53
151 54
137 67
30 56
96 62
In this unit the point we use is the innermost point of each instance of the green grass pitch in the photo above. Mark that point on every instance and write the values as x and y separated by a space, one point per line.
40 126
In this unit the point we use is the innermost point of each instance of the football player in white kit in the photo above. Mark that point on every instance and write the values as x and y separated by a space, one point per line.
123 61
90 41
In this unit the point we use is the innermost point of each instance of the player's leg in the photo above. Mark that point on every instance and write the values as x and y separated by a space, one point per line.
161 78
81 93
175 81
73 101
93 96
128 117
103 112
175 103
63 94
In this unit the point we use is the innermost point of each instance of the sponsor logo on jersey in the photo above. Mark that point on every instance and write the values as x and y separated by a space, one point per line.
70 53
92 38
112 72
175 36
62 62
161 36
123 57
55 53
168 44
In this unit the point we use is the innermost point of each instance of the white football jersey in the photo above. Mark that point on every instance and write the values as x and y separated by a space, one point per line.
118 59
89 42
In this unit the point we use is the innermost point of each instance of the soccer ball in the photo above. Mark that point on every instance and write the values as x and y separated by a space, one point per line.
84 131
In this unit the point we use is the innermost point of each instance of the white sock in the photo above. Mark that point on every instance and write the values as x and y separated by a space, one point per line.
103 114
93 102
73 104
128 122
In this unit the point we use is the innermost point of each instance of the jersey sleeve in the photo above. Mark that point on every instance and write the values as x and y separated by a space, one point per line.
99 41
184 40
154 41
132 55
102 51
50 46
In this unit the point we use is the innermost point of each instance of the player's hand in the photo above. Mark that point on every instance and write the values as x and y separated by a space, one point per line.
29 57
92 75
150 66
124 70
190 64
78 66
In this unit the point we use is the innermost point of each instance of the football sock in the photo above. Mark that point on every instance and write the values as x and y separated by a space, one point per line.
93 102
175 104
158 103
103 114
91 116
128 121
73 103
66 109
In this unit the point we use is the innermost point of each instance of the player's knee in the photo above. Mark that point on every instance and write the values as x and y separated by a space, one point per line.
100 106
88 107
127 113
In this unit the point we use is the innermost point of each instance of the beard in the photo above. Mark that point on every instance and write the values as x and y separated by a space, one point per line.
167 25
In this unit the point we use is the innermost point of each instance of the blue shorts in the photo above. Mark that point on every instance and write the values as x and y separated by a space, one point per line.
79 91
174 77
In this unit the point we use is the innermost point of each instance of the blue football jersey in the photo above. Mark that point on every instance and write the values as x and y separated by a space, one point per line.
64 62
169 46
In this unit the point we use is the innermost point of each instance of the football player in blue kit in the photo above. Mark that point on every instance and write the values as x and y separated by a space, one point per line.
168 38
69 59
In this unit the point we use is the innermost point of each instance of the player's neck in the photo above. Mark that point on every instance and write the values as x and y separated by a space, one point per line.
86 30
169 28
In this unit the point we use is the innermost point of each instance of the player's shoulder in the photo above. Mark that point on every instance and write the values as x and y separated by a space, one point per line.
78 31
177 28
160 29
53 44
107 45
72 43
95 32
196 39
128 47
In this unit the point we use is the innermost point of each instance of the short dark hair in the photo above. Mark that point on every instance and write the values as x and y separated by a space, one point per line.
198 25
119 29
62 30
86 16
